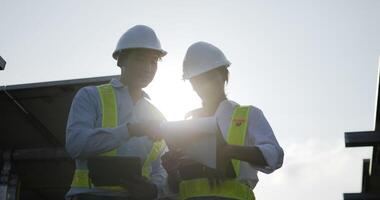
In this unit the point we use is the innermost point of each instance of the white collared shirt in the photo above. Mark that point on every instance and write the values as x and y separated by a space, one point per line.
259 134
85 136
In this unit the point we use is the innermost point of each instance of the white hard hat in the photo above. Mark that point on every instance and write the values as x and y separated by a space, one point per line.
202 57
138 37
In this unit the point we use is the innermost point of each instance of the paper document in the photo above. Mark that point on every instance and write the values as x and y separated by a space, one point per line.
196 137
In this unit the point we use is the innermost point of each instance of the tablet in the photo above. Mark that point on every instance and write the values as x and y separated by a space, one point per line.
113 170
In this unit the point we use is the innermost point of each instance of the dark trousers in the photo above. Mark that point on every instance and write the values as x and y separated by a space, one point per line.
96 197
210 198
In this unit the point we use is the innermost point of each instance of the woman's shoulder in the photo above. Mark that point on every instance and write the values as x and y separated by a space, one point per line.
252 108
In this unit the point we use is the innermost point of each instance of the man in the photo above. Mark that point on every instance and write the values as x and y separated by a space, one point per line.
116 119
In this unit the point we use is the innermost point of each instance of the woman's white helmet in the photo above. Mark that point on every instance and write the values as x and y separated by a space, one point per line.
138 37
202 57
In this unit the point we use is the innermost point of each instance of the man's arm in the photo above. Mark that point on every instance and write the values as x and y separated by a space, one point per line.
83 138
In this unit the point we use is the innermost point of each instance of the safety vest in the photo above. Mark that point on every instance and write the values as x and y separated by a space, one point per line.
110 120
231 188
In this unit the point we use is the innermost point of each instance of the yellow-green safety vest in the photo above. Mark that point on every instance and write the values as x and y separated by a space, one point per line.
231 188
110 120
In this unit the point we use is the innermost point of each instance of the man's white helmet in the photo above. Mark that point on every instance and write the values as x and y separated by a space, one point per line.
138 37
202 57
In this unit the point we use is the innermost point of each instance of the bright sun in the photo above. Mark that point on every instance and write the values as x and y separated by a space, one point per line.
173 96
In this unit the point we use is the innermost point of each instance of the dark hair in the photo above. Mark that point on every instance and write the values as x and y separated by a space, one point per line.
225 73
122 55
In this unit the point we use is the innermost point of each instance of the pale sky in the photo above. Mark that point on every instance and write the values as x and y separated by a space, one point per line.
311 66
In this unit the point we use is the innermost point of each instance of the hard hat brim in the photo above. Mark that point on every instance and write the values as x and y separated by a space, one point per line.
225 64
116 53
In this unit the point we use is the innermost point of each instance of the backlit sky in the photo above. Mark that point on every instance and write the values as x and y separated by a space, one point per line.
311 66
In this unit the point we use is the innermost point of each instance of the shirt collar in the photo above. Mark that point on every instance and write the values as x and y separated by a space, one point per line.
116 83
226 106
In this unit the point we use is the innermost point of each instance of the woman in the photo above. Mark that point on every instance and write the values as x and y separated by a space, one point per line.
250 142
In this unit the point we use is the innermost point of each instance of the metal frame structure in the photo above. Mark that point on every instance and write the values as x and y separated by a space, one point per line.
371 168
33 162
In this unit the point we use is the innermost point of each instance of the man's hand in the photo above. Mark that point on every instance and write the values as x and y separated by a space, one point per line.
141 189
171 160
150 128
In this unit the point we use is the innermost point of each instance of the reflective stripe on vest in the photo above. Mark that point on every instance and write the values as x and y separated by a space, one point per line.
110 120
109 110
237 131
230 188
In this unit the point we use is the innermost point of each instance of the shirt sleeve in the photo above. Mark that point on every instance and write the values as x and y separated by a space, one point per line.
83 138
260 134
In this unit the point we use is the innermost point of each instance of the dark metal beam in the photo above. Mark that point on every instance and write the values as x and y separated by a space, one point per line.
40 154
361 139
76 82
375 168
365 177
361 196
2 63
377 119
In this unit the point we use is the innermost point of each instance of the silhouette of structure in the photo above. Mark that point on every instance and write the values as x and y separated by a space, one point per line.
2 63
371 167
33 161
